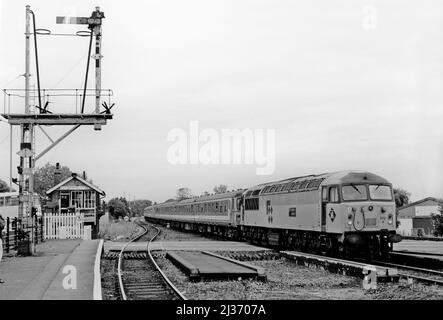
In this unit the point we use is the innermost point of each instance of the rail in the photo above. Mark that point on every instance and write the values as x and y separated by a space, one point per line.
422 279
152 260
170 284
120 259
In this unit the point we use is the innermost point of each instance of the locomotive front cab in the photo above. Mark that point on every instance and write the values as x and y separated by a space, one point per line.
361 210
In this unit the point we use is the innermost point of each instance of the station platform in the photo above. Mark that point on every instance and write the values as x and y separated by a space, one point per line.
198 265
60 270
184 246
419 246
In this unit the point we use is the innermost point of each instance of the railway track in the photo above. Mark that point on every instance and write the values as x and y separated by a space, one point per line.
427 276
142 279
420 275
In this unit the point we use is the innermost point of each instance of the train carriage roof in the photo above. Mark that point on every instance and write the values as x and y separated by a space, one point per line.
217 196
339 177
354 176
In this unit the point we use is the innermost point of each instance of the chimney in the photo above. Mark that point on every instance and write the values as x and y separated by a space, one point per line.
57 174
84 175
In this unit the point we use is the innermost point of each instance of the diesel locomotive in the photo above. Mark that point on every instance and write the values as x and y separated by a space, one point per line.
342 213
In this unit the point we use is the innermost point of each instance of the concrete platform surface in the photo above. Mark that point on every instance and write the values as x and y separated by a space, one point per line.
201 265
206 245
431 247
60 270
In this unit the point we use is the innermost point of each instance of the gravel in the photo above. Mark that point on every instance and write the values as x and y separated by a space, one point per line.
288 281
404 291
168 234
108 271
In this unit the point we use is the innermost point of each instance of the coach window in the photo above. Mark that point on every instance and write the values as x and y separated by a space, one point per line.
2 201
333 194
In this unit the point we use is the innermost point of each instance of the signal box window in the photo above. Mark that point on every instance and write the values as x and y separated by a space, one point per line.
64 200
76 199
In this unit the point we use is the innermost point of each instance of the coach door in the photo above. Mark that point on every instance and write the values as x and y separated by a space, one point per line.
324 201
329 208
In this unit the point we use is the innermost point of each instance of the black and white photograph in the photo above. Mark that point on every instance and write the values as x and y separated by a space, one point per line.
221 157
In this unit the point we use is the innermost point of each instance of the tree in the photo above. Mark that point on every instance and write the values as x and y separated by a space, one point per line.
220 188
183 193
401 197
4 186
438 223
118 207
44 177
138 206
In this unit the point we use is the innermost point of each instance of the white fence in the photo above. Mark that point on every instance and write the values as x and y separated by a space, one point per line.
62 226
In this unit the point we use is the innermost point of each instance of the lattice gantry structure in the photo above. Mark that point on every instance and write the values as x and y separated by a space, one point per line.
42 106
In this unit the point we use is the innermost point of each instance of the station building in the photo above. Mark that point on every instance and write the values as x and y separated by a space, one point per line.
74 207
416 218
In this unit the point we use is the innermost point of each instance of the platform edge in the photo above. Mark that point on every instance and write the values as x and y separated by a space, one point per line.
97 291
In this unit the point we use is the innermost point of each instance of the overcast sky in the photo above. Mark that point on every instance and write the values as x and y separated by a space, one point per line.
339 93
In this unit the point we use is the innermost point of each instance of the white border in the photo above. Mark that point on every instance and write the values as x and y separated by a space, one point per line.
97 293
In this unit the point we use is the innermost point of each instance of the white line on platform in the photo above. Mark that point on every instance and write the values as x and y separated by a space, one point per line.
97 293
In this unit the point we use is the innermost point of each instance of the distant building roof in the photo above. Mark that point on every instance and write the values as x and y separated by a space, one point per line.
438 201
76 177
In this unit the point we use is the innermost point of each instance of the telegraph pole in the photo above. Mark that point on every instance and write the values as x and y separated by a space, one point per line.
26 153
98 35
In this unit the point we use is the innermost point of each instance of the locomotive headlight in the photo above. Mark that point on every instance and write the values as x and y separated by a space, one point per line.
390 219
350 216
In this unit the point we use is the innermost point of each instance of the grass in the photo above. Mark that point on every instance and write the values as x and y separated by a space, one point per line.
117 230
